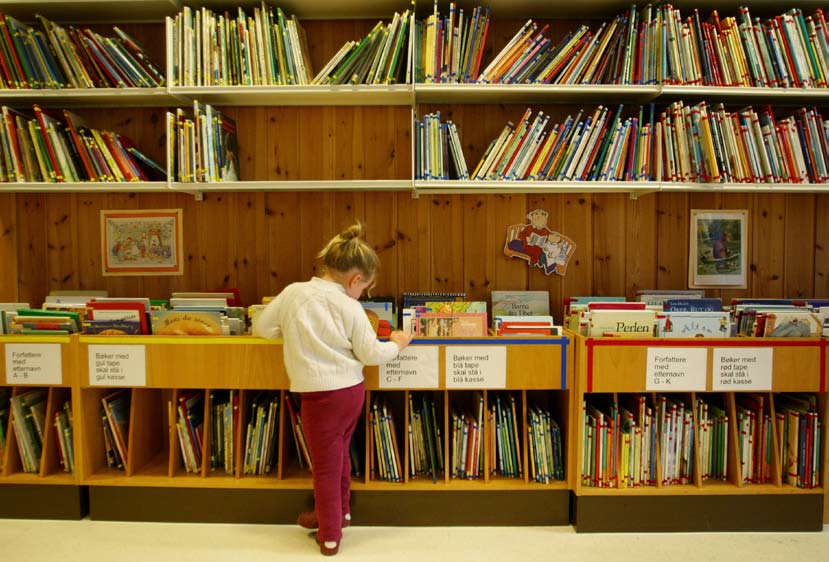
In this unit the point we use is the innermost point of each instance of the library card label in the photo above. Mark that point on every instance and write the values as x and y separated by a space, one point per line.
117 365
482 366
676 368
415 367
33 363
742 369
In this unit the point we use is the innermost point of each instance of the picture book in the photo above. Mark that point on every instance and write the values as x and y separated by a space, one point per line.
622 323
454 325
792 325
420 299
117 327
520 303
693 305
124 311
659 296
525 326
456 306
693 325
180 323
380 311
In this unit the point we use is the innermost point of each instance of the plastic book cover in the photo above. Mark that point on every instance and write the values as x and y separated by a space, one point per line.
659 296
708 324
462 306
693 305
112 327
189 323
622 323
455 325
378 311
792 325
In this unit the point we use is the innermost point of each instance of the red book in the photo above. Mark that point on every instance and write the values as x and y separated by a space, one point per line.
130 308
80 145
46 124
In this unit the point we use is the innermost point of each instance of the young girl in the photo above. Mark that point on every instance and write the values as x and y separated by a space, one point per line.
327 340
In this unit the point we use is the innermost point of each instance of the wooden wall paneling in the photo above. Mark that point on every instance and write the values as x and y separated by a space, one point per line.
280 223
640 244
62 241
403 158
328 162
672 240
537 278
768 239
316 227
736 202
326 37
448 240
284 139
414 247
822 246
88 225
481 246
798 252
31 247
8 247
250 242
510 274
577 224
380 215
218 244
609 226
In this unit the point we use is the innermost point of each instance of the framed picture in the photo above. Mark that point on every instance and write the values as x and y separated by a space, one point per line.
719 243
142 242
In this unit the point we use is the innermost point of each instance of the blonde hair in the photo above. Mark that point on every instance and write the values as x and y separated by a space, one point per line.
347 251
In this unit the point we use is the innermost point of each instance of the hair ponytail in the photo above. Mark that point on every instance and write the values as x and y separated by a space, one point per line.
347 251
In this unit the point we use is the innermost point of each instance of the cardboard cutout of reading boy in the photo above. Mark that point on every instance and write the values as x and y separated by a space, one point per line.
539 245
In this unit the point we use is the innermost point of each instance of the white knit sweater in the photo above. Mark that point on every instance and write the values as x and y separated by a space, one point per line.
327 336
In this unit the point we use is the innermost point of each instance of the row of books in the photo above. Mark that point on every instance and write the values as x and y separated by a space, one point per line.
5 404
449 48
295 416
210 49
261 435
545 445
438 150
504 441
712 421
799 434
675 430
684 143
384 461
58 57
59 147
28 415
190 428
203 145
466 432
425 444
224 418
754 437
115 418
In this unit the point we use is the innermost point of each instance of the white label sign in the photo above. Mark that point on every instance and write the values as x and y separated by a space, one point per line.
742 368
117 365
33 363
676 368
415 367
482 366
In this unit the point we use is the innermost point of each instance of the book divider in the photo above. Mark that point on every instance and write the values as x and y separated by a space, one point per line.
92 445
776 441
447 442
282 435
2 448
146 453
697 480
734 457
407 436
12 464
245 400
206 433
50 457
175 461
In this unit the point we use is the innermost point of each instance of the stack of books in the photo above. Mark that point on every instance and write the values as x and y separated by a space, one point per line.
637 440
302 450
28 421
224 416
261 437
450 47
35 321
712 429
600 442
59 147
212 49
190 428
779 318
467 440
438 150
425 444
203 145
675 434
115 415
58 57
63 432
754 436
546 446
504 441
385 462
799 434
381 57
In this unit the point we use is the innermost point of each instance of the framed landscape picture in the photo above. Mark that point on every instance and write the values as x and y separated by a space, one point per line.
718 255
142 242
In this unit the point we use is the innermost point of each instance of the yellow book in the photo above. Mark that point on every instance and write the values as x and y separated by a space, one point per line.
110 159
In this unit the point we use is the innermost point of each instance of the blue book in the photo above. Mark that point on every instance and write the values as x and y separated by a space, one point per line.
693 305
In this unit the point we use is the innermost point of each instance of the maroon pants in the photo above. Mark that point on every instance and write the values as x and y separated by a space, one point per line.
329 419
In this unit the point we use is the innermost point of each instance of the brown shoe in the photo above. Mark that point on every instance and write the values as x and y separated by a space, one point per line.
324 550
308 520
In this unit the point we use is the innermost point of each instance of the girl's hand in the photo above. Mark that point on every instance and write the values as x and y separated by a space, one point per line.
402 339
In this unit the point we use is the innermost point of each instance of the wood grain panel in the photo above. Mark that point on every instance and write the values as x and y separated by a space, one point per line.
31 248
510 274
672 226
479 249
609 216
798 253
641 244
380 216
448 242
537 279
741 201
61 241
577 224
414 235
8 247
768 239
822 246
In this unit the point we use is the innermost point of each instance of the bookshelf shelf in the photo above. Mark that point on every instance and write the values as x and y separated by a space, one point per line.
91 97
532 93
85 187
293 186
744 95
445 187
92 10
298 95
61 478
